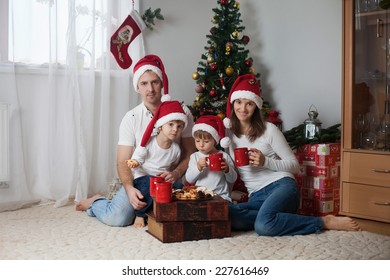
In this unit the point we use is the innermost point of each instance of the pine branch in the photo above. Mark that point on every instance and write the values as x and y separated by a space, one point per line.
149 16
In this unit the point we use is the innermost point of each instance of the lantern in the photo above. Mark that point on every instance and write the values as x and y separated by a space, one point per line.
312 124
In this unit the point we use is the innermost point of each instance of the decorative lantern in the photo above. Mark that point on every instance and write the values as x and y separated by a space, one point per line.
312 124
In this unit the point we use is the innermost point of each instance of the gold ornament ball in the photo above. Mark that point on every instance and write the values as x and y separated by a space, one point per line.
251 70
236 5
221 115
229 70
228 49
214 20
195 75
235 34
210 59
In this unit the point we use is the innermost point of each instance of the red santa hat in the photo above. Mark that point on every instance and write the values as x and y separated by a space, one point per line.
166 112
245 86
153 63
214 126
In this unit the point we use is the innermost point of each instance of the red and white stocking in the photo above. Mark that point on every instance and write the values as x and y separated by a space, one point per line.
125 34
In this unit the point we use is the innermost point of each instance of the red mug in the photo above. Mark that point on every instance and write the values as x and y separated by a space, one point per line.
152 184
164 192
214 161
241 156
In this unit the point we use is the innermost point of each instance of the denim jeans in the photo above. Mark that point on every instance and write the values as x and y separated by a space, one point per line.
271 211
118 212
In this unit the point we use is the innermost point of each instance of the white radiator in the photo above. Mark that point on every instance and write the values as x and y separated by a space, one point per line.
4 144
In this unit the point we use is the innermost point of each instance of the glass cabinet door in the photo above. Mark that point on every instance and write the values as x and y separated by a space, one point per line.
371 77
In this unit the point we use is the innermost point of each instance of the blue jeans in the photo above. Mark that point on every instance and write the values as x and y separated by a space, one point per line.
271 211
118 212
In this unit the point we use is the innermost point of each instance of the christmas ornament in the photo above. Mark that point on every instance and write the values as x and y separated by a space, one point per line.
228 49
195 75
245 39
248 62
229 70
229 45
221 80
198 88
214 20
236 5
213 30
235 34
221 115
213 93
210 59
213 67
251 70
224 2
131 27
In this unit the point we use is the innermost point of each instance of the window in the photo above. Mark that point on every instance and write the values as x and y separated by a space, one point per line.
54 31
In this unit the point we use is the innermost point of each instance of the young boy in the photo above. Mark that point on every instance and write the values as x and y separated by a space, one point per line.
159 153
208 132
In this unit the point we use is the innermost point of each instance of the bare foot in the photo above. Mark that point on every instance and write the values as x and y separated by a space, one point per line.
139 222
340 223
85 203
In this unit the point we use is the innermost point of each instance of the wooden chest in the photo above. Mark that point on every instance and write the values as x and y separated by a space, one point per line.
215 209
168 232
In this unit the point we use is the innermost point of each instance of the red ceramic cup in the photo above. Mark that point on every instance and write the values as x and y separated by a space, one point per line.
241 156
164 192
152 184
214 161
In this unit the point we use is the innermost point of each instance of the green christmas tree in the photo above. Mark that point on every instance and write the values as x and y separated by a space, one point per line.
225 59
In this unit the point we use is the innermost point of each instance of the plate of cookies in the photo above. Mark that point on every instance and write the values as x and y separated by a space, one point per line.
193 193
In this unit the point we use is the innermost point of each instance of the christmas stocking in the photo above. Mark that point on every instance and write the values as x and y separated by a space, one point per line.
121 39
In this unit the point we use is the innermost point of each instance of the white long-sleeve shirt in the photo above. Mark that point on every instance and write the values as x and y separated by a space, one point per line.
280 160
216 181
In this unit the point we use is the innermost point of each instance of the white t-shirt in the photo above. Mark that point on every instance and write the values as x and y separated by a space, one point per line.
280 160
157 159
217 181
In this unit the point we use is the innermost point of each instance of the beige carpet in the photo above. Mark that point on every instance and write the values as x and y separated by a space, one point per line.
43 232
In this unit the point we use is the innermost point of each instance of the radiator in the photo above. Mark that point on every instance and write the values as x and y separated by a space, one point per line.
4 145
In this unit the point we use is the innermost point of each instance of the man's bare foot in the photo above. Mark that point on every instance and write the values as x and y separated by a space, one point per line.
139 222
340 223
85 203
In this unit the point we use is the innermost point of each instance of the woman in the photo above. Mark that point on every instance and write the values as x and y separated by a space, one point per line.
269 177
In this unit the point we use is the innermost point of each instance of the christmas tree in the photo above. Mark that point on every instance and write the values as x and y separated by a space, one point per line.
225 59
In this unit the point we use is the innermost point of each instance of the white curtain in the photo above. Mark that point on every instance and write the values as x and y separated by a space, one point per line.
66 98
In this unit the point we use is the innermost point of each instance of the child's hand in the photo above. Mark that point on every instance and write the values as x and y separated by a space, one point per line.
224 166
202 163
132 163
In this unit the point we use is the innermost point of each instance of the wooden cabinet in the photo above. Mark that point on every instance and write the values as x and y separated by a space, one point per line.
365 166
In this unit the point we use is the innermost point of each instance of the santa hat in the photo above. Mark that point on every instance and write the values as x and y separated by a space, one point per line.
166 112
245 86
214 126
153 63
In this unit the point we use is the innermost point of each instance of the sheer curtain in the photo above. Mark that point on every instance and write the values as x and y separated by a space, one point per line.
66 97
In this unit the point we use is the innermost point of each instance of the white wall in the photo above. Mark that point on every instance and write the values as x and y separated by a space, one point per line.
296 46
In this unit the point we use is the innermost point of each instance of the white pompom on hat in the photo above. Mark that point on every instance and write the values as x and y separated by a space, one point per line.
214 126
153 63
245 86
166 112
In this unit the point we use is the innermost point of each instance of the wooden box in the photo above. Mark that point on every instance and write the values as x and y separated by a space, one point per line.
168 232
215 209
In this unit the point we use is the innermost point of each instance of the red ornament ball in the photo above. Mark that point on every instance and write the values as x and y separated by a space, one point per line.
245 39
213 92
213 67
224 2
248 62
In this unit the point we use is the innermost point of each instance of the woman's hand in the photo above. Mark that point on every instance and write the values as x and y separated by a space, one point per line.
170 176
256 158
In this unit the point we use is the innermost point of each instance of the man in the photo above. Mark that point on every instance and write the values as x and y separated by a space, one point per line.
149 80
